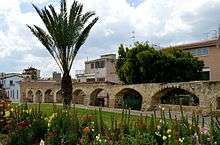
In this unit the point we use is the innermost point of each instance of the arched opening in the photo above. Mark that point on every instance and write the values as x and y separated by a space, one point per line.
175 96
99 97
39 96
128 98
48 96
59 98
78 97
30 96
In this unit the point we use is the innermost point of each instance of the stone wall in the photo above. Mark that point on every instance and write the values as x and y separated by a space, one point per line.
206 91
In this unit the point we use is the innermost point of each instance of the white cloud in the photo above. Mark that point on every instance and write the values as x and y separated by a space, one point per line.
161 21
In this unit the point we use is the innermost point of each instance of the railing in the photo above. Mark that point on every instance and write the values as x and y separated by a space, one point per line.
79 72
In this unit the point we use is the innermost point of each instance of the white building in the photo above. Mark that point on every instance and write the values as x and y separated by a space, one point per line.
11 83
99 70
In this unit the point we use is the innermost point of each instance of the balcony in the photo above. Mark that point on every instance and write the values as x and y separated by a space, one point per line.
79 72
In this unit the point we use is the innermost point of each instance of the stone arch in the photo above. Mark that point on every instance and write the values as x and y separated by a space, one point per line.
129 98
174 96
30 96
39 96
48 96
218 103
59 98
99 97
78 96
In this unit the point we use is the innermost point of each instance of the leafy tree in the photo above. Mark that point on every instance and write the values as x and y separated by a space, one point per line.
66 33
144 64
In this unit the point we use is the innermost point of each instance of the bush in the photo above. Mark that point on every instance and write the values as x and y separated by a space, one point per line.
64 127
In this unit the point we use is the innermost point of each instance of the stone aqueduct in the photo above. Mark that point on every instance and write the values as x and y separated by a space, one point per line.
208 92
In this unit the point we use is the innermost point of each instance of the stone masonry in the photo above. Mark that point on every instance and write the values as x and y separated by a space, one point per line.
208 92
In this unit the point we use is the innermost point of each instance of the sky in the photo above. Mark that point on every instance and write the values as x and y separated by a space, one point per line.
161 22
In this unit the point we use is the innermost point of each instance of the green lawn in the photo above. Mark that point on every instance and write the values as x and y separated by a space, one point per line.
47 109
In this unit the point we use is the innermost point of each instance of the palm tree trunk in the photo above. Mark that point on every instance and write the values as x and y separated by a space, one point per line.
66 88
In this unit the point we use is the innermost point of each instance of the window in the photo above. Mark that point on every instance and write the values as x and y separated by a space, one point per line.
100 64
92 65
11 83
90 80
200 51
13 95
17 94
10 93
205 74
100 79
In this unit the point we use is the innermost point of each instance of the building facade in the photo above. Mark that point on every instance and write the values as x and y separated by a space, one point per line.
99 70
209 52
11 83
31 73
57 76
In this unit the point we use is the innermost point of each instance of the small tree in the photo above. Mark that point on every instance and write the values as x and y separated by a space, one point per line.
66 33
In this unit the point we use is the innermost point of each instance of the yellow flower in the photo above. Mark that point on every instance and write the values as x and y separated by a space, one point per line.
7 114
12 109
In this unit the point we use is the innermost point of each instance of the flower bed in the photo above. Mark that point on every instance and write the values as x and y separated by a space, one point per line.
64 127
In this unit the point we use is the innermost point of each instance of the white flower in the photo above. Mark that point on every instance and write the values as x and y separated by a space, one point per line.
164 137
169 136
181 139
163 109
41 142
157 133
169 131
98 137
158 127
93 129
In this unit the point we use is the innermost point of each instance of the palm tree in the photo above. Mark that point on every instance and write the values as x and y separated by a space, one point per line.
66 33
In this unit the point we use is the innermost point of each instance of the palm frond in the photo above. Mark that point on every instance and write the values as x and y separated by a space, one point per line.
81 39
66 32
46 41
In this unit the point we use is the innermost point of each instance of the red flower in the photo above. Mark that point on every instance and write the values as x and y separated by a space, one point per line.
53 133
8 126
23 124
81 141
86 130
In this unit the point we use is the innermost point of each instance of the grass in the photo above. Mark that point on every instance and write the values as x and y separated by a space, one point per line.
47 109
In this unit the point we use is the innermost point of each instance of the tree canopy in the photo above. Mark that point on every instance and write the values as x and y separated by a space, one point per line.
144 64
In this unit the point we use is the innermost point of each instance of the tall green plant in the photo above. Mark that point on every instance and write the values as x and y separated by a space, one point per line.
66 31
